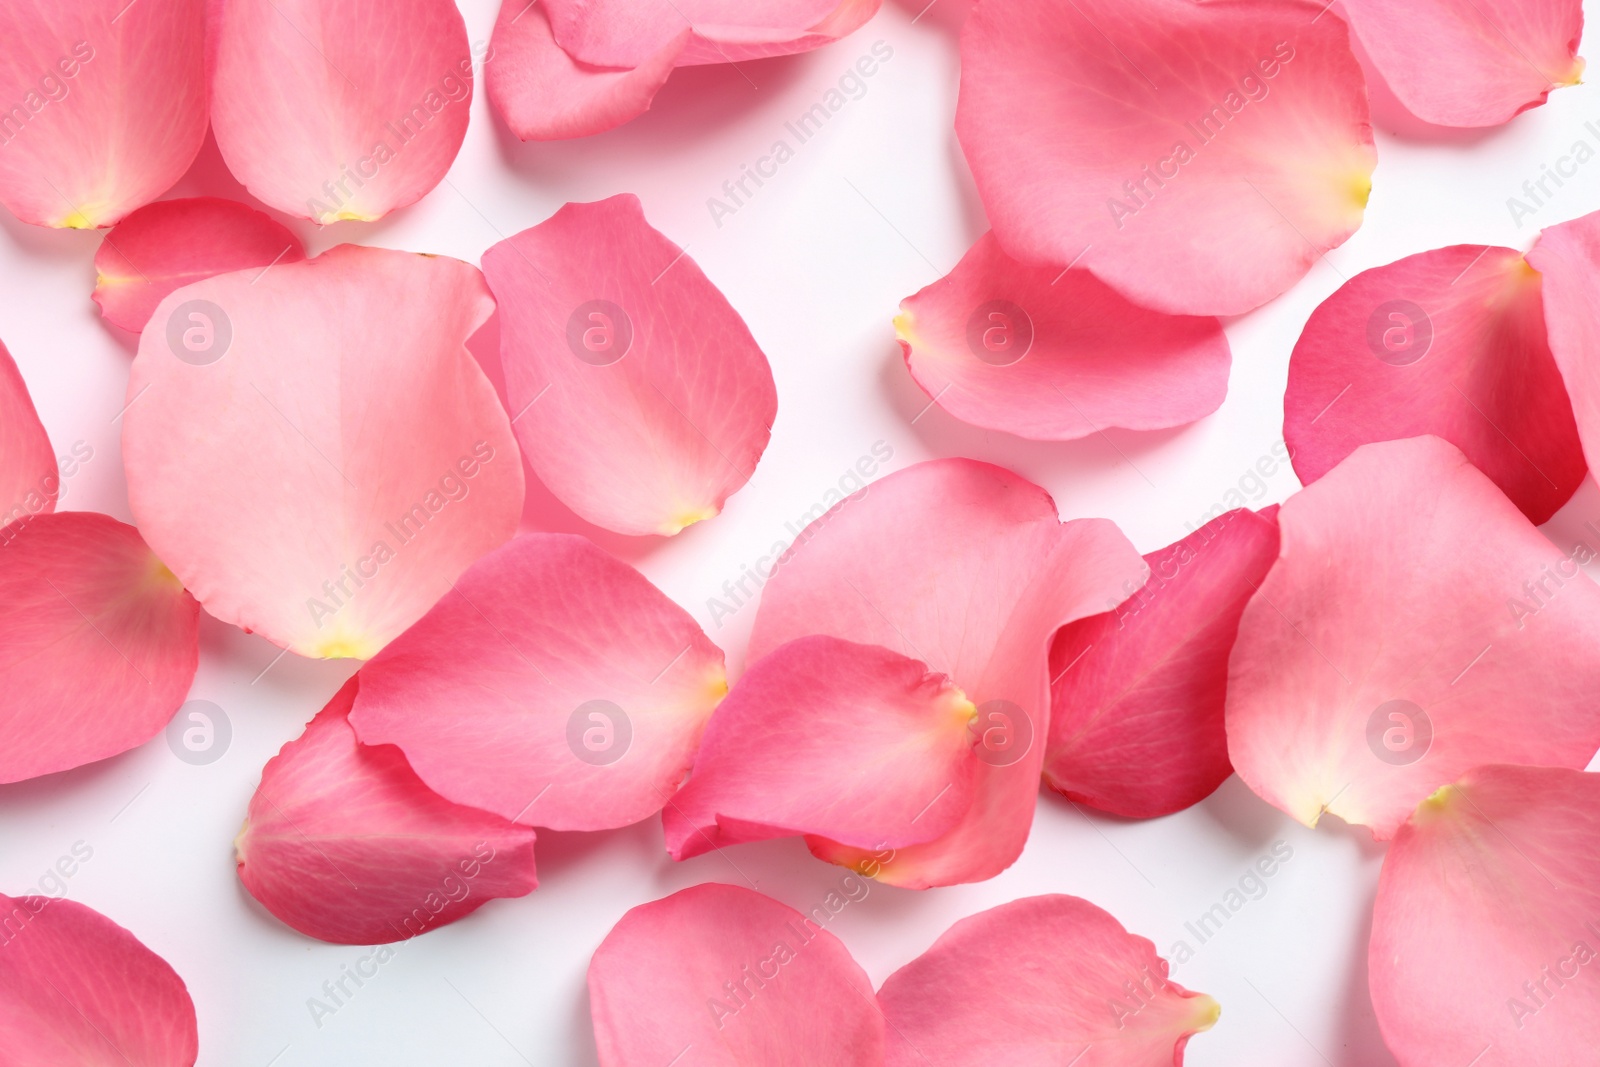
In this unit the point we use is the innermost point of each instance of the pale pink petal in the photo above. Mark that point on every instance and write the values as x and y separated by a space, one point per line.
1197 157
1567 257
98 642
543 94
1450 343
314 451
340 109
967 568
1035 983
853 743
1415 625
737 43
1056 355
76 988
344 843
1136 711
626 33
1487 922
1470 62
553 685
738 977
29 479
102 106
642 401
168 244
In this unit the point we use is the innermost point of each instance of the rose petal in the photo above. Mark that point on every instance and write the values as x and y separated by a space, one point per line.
1054 355
168 244
314 450
98 642
1136 709
554 685
76 988
737 976
102 106
967 568
853 743
1033 982
345 843
340 109
1567 257
1412 608
660 403
1487 915
1198 158
626 33
1450 343
29 480
1503 56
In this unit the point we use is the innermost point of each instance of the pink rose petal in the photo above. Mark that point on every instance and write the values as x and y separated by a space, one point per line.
1136 710
314 450
1450 343
344 843
642 401
627 33
1567 257
1415 625
1056 355
29 479
553 685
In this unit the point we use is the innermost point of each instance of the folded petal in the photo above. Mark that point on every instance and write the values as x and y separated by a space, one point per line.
1450 343
1567 257
1136 707
168 244
340 109
314 450
853 743
737 41
1196 157
29 479
968 569
642 401
1411 609
553 685
1056 355
543 94
626 33
1502 56
76 988
1486 923
344 843
742 979
1035 983
98 642
102 106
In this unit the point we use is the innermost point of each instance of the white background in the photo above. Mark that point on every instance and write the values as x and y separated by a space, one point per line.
876 206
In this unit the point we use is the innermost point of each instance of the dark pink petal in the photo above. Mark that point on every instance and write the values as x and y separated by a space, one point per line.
29 479
967 568
76 988
98 642
344 843
314 450
1470 62
1136 710
1450 343
1197 157
1567 257
1487 923
738 977
168 244
642 401
1056 355
340 109
553 685
102 106
853 743
1415 625
1035 983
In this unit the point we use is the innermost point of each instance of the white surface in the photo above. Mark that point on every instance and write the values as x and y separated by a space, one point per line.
877 205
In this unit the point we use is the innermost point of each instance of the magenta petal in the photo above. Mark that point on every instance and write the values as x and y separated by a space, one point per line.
1035 983
1486 923
1136 711
345 843
1451 343
668 977
98 642
29 480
